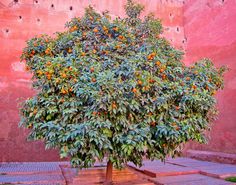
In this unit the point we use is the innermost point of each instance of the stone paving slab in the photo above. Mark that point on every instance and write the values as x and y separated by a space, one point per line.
194 179
219 171
207 168
157 168
30 168
212 156
32 179
183 161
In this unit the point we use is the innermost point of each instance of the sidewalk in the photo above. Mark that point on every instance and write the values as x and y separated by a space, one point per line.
179 171
186 171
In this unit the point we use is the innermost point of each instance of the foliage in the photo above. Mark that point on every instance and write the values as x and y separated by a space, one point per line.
116 88
231 179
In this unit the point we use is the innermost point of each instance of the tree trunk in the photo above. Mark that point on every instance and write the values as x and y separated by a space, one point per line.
109 173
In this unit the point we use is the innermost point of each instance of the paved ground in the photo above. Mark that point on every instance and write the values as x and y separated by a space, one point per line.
180 171
186 171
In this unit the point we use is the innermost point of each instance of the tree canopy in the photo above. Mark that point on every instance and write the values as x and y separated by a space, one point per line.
116 89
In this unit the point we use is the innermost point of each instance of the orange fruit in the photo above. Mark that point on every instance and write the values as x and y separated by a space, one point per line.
30 125
158 63
39 72
163 76
94 80
64 75
146 88
117 46
214 93
73 28
153 54
63 91
152 81
140 82
121 37
83 54
69 50
27 68
104 28
153 123
35 111
150 57
92 69
164 67
173 124
47 51
48 63
188 78
194 87
57 81
49 77
134 90
115 29
114 106
177 128
95 30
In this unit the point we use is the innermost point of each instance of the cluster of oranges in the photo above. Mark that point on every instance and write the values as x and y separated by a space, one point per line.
151 56
74 28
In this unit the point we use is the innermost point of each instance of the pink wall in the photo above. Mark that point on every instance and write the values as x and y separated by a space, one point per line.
21 21
210 30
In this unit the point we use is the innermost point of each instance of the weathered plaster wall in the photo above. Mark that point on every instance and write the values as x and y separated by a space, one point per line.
210 30
21 20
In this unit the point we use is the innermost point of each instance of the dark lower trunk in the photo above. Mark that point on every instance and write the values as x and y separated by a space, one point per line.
108 180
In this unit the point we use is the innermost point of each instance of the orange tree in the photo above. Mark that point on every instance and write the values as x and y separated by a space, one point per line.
116 89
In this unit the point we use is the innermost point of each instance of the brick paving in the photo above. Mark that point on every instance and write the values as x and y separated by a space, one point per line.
179 171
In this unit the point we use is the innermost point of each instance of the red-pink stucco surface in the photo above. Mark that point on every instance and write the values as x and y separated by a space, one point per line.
210 29
201 28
